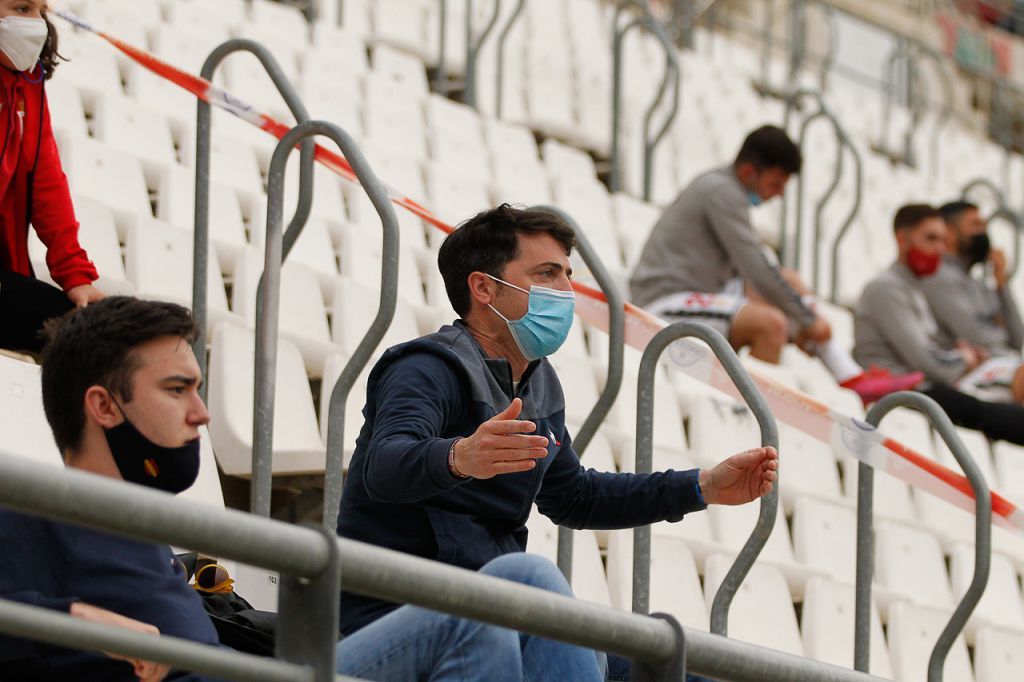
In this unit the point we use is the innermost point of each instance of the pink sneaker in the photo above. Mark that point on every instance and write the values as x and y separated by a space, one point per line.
875 382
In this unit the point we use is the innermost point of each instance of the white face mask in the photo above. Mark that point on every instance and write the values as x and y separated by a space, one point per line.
22 40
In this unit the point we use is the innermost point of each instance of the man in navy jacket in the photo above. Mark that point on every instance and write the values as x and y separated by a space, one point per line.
465 428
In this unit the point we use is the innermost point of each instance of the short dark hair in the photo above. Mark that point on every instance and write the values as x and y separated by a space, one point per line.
488 241
952 210
93 346
770 147
912 215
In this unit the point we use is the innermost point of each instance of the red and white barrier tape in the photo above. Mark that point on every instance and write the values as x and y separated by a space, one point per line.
845 435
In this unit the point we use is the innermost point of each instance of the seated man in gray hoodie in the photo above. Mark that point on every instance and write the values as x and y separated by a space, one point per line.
976 309
894 328
704 262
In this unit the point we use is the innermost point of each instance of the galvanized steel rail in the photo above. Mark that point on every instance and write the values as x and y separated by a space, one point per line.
644 462
108 505
865 533
671 75
201 247
616 351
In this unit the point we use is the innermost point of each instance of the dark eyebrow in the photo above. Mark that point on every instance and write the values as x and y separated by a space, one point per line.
182 379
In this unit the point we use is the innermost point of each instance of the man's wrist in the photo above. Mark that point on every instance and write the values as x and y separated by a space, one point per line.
452 469
704 486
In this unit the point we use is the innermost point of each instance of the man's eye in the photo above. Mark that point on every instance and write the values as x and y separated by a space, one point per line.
178 389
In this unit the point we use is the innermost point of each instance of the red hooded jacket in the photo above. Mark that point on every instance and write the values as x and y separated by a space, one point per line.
33 187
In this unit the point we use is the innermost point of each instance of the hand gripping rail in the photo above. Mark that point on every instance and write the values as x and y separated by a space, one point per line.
672 74
310 559
201 249
644 460
866 533
613 382
1004 212
791 255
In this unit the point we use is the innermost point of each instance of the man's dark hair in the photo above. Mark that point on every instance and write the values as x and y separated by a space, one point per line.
912 215
952 210
94 346
770 147
488 241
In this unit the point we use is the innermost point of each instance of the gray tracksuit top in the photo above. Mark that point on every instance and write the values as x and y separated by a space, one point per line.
967 308
703 240
894 329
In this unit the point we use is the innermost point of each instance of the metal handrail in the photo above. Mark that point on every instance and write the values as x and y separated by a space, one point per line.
843 143
644 462
616 352
378 195
865 533
672 74
201 246
152 516
500 70
1004 211
473 49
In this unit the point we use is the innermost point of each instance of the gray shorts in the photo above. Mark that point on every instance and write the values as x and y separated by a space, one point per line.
717 310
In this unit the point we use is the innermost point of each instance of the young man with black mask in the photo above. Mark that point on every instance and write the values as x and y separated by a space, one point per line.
977 308
894 328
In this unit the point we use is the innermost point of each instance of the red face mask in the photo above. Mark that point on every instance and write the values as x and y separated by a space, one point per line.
923 264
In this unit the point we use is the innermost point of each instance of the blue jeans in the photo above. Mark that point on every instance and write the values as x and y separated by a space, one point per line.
411 643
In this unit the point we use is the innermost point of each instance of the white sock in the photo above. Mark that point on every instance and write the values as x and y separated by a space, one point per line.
838 361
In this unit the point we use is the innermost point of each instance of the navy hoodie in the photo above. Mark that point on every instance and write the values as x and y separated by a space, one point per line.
52 564
399 494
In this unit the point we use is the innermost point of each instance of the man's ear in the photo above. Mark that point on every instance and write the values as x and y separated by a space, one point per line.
101 408
481 288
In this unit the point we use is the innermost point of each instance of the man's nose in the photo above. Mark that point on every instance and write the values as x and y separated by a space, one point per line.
199 415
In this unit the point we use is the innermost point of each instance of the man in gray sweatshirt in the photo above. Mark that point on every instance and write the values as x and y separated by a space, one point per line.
970 310
704 262
894 328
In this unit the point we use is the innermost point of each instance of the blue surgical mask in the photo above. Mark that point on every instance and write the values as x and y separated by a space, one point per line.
545 326
754 198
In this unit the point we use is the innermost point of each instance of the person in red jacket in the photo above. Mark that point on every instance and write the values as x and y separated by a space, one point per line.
33 187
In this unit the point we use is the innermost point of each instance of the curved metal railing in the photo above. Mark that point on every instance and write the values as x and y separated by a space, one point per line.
865 533
791 255
644 463
201 248
671 75
906 59
473 48
616 351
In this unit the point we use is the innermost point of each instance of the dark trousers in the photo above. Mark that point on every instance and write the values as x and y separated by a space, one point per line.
25 304
998 421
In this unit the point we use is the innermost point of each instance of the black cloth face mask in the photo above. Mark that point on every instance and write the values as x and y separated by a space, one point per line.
142 461
976 248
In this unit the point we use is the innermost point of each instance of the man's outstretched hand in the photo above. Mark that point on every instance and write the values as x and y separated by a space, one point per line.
501 446
741 478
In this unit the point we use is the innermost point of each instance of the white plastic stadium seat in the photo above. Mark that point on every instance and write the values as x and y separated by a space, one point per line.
355 307
675 585
909 566
298 448
827 627
998 654
588 578
122 124
302 318
1001 605
353 406
98 236
913 631
762 610
26 431
107 175
825 536
158 260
